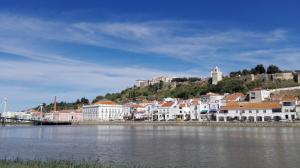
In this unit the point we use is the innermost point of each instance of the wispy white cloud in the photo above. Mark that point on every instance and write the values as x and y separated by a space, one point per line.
287 58
172 39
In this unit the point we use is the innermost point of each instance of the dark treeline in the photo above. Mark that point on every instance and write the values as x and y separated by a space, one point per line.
64 105
259 69
192 79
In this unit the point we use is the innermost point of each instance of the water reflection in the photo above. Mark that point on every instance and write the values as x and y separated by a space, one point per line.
156 146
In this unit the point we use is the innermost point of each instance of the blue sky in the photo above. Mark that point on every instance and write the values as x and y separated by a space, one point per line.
72 48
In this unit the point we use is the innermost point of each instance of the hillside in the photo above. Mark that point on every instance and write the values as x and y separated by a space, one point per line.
186 88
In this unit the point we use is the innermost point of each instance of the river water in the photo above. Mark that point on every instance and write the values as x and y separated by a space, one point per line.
156 146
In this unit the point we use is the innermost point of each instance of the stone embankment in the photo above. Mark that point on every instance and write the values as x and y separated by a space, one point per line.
192 123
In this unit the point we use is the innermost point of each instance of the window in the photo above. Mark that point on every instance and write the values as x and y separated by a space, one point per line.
265 111
287 103
276 110
252 95
250 111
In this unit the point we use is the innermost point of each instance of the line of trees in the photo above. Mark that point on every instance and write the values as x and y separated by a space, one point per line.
259 69
191 79
65 105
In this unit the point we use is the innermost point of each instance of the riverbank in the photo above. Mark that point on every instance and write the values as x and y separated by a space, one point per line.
193 123
56 164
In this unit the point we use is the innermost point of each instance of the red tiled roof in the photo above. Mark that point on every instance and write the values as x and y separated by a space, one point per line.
250 105
284 97
105 103
234 96
183 105
167 104
195 102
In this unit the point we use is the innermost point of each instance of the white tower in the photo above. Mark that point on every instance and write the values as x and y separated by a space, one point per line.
216 75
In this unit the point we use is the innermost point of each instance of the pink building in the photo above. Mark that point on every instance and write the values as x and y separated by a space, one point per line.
65 115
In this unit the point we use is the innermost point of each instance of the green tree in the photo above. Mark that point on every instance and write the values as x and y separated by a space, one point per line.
235 74
84 100
259 69
230 85
77 101
273 69
246 72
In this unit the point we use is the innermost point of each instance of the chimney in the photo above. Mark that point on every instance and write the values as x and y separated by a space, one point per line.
54 104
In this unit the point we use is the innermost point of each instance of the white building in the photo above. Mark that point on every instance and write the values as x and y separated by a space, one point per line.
172 110
259 95
216 75
196 108
254 111
105 111
141 111
181 110
17 115
210 105
167 110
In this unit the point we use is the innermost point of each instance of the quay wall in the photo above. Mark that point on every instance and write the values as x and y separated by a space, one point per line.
209 124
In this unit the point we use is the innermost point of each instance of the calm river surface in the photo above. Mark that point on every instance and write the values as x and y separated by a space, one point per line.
156 146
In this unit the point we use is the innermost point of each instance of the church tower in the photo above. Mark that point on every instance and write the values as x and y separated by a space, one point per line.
216 75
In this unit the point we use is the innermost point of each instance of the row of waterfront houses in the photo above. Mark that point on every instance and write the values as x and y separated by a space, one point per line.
257 106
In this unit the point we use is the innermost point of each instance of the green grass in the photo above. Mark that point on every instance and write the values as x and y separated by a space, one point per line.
57 164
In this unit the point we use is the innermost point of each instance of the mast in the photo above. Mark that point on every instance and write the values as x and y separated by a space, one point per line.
4 105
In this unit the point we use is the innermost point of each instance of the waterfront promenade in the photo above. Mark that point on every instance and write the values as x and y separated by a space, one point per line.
194 123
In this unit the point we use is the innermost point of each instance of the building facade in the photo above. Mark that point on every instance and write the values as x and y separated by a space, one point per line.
254 112
283 76
142 83
105 111
64 115
259 95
